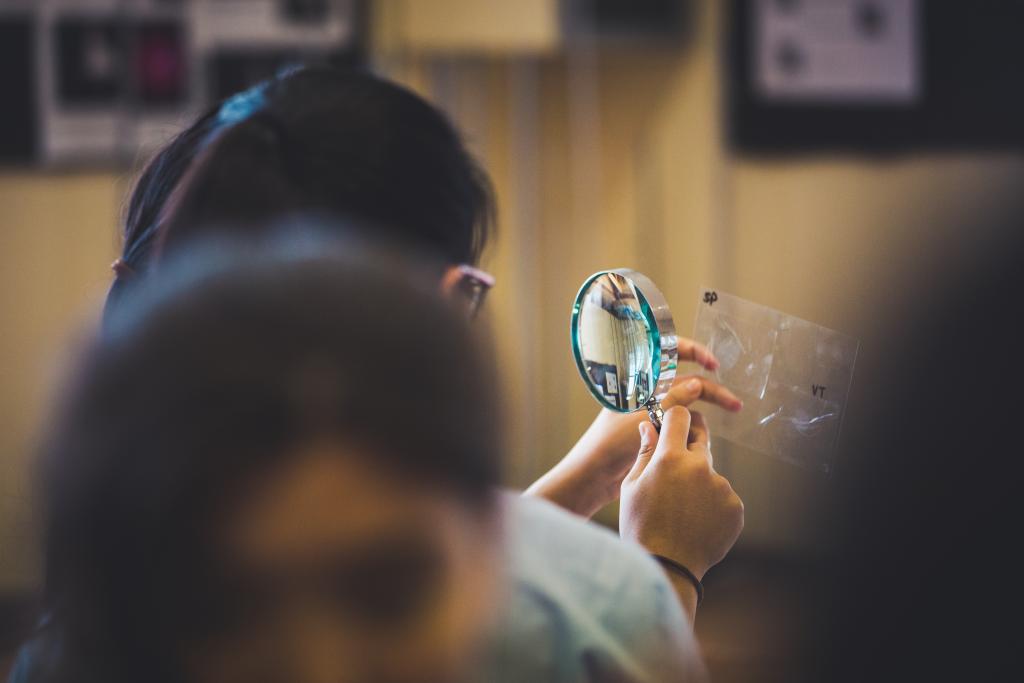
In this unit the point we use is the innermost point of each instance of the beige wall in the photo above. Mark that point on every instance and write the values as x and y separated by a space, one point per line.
57 239
600 160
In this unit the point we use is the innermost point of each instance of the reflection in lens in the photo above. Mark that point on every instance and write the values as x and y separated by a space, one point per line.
615 342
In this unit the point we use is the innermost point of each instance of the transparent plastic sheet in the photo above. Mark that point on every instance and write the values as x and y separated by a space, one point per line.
792 375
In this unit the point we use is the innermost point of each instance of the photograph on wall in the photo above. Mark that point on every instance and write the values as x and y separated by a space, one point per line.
91 55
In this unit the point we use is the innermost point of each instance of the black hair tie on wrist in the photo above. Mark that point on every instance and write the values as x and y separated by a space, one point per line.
679 569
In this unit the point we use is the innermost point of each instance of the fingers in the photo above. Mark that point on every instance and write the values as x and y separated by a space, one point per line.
698 430
700 437
675 428
648 442
688 390
697 353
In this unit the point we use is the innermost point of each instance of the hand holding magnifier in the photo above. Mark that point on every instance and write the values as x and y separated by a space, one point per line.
624 341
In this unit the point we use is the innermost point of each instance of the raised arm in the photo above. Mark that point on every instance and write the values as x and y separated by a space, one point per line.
590 476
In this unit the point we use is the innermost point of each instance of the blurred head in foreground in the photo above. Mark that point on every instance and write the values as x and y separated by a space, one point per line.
277 465
926 584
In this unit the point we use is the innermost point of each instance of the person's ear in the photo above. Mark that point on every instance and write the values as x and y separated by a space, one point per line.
450 280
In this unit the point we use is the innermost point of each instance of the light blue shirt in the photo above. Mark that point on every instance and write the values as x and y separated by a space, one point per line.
583 605
579 605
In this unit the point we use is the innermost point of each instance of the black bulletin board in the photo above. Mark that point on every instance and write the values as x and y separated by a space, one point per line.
971 90
18 113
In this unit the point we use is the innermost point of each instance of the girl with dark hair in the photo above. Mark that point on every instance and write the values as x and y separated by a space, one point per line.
337 144
326 142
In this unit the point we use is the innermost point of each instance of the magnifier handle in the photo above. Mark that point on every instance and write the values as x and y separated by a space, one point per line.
655 412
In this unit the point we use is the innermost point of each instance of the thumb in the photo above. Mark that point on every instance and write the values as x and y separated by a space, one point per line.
648 442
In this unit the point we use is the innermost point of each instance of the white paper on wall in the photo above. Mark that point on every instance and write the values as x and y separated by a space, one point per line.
852 51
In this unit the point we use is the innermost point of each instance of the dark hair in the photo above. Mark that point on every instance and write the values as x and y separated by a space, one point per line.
322 141
226 364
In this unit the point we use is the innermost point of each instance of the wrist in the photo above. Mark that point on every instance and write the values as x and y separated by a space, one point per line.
678 572
584 481
686 592
566 487
659 547
595 473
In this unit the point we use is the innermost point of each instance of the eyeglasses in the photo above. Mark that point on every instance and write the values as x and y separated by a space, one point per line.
474 284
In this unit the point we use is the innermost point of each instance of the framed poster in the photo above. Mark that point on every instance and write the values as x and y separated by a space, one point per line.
873 76
102 82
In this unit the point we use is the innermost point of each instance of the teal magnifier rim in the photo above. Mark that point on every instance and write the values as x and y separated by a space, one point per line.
654 339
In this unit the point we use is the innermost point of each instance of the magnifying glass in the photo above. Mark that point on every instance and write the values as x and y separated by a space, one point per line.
624 342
